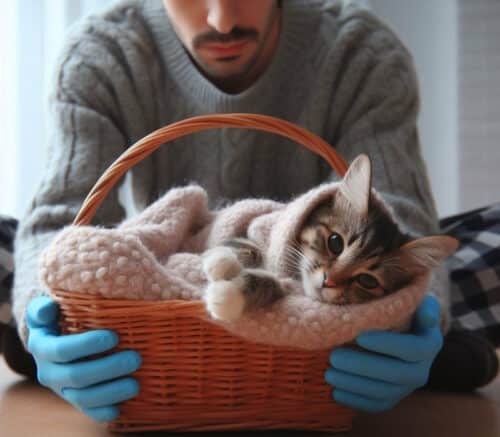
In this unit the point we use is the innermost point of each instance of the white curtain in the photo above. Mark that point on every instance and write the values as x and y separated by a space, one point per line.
31 35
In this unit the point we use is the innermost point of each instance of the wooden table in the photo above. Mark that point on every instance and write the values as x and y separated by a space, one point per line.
28 410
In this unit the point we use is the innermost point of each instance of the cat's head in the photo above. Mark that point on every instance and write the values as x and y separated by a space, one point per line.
350 250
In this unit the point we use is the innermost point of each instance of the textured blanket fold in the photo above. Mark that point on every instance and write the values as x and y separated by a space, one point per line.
157 255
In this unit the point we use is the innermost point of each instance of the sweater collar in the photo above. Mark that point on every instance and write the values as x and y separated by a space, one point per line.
299 25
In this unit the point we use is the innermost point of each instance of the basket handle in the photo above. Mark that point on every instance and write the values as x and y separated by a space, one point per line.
147 145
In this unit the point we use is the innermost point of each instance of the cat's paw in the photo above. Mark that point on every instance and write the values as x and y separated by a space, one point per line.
225 299
220 263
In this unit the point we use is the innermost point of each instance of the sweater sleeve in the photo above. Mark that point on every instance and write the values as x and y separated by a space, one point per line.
83 146
84 139
378 99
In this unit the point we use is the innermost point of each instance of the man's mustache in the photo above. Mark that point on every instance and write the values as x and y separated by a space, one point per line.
237 34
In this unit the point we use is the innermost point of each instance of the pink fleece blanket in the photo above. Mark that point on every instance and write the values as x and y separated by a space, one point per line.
157 256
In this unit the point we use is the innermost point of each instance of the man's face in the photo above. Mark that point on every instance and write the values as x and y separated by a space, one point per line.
226 38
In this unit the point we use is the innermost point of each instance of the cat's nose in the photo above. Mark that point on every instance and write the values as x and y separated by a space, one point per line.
328 282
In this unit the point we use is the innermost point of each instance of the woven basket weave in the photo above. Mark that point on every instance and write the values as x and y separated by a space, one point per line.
195 376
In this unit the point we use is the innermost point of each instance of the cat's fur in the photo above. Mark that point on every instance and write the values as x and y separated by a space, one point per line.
349 250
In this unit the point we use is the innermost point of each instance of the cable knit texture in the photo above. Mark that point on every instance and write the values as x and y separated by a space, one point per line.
123 73
157 256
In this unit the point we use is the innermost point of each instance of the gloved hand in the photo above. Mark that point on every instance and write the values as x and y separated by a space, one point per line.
83 384
393 365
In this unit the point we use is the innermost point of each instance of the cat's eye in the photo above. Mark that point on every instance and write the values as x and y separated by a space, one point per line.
335 243
367 281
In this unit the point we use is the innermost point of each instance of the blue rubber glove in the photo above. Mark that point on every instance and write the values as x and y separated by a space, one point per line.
83 384
399 364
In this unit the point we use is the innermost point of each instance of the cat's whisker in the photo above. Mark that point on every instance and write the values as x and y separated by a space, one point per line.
294 263
294 252
295 244
308 263
292 258
293 268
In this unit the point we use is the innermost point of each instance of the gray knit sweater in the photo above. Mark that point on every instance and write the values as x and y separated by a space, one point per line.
337 71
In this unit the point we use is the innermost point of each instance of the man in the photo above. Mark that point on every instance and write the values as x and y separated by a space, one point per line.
329 67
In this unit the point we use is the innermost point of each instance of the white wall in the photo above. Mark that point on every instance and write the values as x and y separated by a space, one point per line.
429 29
479 102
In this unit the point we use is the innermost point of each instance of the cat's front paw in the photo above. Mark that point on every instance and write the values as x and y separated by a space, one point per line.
220 263
225 299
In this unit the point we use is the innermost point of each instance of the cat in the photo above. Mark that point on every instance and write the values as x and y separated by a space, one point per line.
348 251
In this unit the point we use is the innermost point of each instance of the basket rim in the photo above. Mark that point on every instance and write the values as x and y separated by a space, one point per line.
148 144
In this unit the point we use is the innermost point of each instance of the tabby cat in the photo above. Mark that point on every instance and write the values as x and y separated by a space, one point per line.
348 251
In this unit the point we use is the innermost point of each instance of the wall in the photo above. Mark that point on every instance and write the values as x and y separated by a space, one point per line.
429 29
479 103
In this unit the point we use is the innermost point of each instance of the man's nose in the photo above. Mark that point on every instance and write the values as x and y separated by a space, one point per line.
223 15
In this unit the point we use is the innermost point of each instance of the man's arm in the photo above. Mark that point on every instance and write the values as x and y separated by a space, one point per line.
76 159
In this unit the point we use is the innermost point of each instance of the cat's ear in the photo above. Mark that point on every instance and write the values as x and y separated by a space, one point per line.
426 253
356 185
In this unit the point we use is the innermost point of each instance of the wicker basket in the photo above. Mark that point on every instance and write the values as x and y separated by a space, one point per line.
195 376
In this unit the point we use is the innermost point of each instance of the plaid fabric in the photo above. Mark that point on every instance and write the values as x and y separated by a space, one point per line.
8 228
475 271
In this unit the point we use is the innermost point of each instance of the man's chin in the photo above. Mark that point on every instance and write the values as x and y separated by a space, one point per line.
230 70
231 74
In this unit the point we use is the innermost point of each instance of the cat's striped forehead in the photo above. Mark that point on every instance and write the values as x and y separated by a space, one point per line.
375 233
